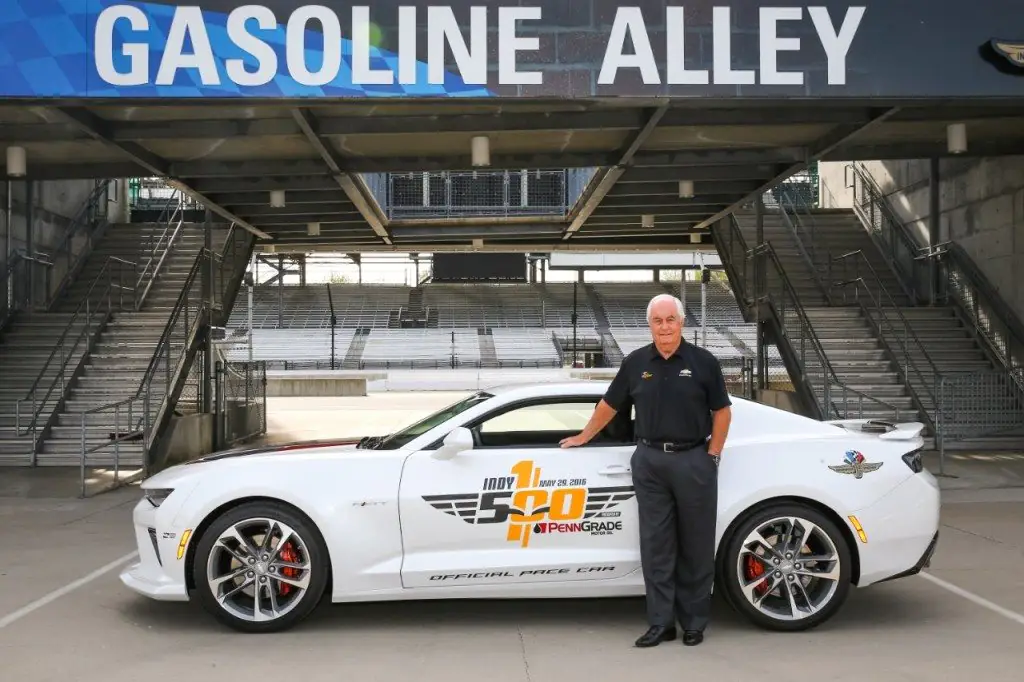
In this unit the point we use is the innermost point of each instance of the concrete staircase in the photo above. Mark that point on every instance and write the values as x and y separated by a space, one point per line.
855 352
24 350
867 352
117 365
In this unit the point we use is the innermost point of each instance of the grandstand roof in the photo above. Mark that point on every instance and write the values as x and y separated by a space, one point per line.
231 154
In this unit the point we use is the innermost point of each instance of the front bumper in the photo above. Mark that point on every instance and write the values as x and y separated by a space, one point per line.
158 573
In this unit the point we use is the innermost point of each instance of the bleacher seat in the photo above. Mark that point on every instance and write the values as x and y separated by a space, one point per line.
419 348
528 347
305 348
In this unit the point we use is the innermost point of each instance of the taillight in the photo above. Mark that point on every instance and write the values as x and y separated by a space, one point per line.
914 461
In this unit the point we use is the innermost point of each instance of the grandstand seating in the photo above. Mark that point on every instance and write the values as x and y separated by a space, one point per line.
504 325
625 303
526 347
419 348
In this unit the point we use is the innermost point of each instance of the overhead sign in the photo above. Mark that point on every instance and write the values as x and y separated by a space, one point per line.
556 48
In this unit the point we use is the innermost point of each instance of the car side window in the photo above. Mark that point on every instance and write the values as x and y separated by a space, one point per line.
545 424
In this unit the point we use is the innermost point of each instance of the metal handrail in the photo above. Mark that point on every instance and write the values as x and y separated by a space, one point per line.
10 279
160 242
86 307
826 405
878 305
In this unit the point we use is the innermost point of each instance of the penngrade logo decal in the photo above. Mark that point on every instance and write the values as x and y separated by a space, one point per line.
856 465
646 375
529 504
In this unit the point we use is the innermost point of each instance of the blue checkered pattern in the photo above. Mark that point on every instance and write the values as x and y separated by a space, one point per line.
46 50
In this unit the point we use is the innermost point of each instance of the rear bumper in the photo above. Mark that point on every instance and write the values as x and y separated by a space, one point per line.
924 562
902 530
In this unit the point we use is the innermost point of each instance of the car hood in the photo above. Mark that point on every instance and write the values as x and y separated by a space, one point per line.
279 449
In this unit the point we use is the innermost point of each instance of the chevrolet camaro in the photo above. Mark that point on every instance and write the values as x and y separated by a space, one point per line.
478 500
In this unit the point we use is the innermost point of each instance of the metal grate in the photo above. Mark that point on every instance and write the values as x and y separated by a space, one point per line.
477 193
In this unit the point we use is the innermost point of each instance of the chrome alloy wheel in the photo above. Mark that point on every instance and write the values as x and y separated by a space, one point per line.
788 568
259 569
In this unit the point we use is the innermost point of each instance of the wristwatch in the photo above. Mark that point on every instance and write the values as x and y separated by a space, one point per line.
717 458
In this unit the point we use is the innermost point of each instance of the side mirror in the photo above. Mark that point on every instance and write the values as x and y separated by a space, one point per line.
459 440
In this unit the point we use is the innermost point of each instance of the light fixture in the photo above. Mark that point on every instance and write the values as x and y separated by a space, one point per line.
694 238
481 151
277 198
313 229
956 138
269 248
647 220
16 162
686 189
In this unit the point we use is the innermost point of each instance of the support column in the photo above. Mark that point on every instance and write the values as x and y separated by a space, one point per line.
759 280
934 222
208 279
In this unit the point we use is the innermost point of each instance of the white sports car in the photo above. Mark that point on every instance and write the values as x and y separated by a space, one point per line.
479 501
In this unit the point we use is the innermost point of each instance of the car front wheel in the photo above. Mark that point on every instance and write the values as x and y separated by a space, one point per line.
786 567
260 567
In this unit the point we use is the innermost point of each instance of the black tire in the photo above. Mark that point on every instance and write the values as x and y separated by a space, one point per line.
312 548
730 579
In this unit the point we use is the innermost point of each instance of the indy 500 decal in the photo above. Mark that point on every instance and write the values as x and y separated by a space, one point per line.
530 504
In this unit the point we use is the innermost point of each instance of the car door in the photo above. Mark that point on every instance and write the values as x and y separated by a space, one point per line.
516 508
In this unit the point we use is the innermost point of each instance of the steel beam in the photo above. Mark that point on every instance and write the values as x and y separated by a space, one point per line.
681 114
605 179
664 190
830 141
98 129
353 186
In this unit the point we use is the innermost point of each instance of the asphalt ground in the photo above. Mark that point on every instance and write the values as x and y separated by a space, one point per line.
64 615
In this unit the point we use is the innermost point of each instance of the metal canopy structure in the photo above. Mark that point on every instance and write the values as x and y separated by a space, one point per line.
232 155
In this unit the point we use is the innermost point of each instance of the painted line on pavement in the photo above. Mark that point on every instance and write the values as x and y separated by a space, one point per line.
58 593
970 596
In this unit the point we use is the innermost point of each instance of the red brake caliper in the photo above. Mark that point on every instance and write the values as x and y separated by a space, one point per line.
755 569
288 554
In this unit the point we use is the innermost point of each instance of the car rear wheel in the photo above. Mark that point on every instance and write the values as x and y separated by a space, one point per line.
786 567
260 567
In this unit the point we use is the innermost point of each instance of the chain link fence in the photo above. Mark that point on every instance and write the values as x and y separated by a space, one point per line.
241 397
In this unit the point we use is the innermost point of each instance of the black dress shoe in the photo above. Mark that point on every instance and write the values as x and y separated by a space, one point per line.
656 635
692 637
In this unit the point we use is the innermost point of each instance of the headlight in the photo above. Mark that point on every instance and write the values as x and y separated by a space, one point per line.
914 461
156 496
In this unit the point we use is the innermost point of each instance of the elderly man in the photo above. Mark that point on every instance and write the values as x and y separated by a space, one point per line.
682 420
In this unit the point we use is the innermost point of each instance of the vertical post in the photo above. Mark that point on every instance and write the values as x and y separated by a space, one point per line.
704 273
207 377
29 244
574 310
762 356
933 228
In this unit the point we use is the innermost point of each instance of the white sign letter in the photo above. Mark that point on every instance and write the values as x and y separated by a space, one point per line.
837 45
631 20
188 21
771 44
137 53
675 36
361 71
722 37
266 58
471 63
295 39
509 44
407 45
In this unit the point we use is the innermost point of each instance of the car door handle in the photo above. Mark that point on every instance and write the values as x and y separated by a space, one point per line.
615 470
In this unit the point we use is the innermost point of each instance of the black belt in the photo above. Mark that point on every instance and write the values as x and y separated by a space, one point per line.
668 446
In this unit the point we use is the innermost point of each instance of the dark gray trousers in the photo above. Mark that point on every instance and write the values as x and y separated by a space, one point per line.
677 497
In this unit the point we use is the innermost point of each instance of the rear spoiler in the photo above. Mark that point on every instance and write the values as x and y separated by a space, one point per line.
885 430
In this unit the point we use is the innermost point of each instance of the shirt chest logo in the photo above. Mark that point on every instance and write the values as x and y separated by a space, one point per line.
646 375
685 373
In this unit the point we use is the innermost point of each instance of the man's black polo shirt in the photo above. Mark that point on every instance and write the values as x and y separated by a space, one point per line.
674 397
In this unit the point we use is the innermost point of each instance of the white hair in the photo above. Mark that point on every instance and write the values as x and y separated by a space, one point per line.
665 297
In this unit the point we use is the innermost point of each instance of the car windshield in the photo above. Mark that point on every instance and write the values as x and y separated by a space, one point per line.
402 438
